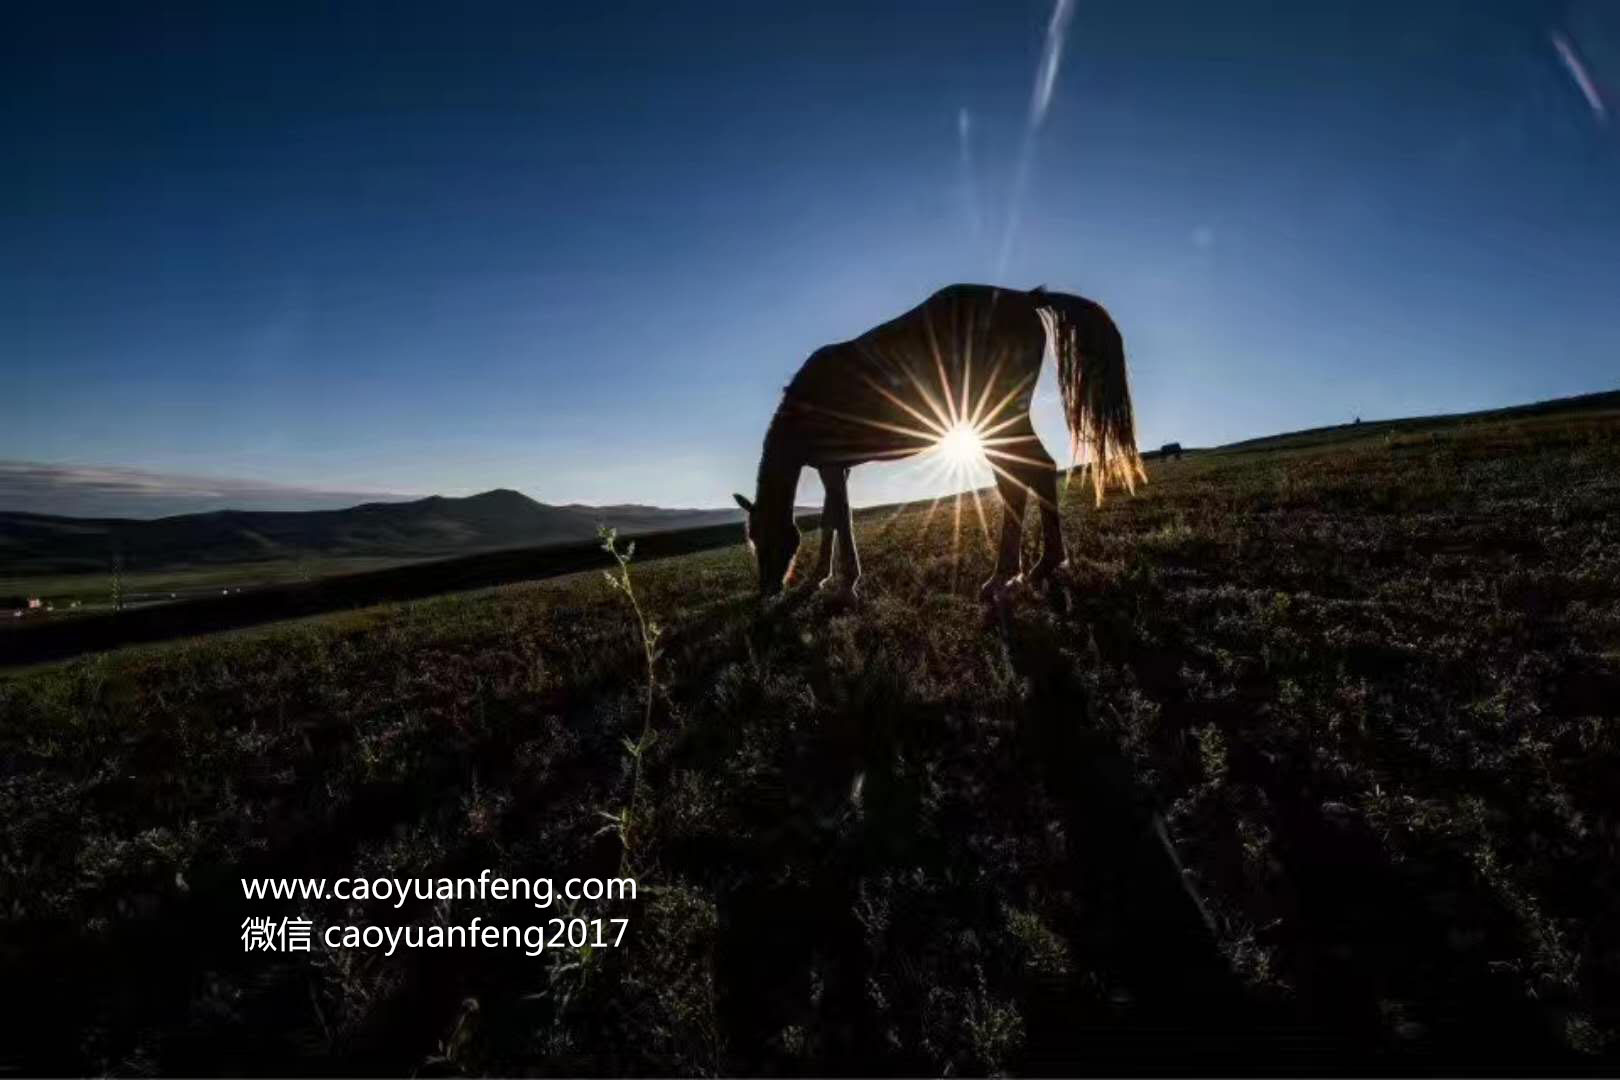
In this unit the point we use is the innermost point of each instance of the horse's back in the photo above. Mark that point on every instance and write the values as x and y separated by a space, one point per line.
955 327
967 318
978 303
861 394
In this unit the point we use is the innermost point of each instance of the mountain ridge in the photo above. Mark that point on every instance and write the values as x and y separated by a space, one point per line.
429 527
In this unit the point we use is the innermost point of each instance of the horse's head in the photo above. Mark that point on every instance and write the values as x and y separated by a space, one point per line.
774 539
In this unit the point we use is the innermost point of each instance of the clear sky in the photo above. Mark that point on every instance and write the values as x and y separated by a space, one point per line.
579 252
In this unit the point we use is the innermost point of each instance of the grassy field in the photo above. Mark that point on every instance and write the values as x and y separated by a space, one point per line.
1308 763
61 635
94 592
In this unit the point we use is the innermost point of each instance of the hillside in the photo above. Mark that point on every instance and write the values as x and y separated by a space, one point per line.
425 528
1602 401
1306 765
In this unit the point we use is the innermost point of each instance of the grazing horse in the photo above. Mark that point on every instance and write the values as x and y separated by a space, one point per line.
962 364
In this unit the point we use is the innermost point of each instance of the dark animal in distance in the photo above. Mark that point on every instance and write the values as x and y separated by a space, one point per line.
964 360
1170 449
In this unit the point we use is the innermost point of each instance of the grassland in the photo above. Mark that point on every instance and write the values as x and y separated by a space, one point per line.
1308 763
94 592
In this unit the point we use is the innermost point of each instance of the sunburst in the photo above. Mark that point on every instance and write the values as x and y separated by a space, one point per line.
961 446
963 434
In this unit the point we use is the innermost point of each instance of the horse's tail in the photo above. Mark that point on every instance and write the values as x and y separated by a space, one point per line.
1096 392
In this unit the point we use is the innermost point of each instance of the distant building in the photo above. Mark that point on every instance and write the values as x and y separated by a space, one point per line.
35 603
1170 449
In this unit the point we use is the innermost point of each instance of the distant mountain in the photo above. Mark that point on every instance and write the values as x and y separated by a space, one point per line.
425 528
119 491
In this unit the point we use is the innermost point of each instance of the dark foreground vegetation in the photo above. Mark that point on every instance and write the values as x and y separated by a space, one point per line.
1309 763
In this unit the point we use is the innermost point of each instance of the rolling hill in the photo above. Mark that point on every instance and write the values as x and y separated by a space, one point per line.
1305 764
425 528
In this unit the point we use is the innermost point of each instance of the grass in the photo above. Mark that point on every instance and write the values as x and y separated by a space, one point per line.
94 591
328 587
1308 761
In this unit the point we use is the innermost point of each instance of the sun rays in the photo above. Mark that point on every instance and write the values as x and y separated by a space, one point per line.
961 445
948 386
963 431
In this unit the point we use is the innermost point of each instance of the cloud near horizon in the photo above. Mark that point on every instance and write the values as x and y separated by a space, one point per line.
116 491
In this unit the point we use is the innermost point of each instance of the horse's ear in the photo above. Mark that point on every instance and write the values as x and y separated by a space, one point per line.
748 507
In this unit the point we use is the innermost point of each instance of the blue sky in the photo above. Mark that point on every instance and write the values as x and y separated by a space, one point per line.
579 253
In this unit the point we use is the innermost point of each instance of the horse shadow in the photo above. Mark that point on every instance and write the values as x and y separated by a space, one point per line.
795 955
1360 933
1136 925
1150 987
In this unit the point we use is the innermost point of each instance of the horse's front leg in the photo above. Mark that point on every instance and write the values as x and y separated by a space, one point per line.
836 516
829 526
829 538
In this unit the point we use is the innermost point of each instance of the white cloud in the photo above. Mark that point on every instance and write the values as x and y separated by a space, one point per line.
1046 73
1583 78
115 491
1057 34
970 179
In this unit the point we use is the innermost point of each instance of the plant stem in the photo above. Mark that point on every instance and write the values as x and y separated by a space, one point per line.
649 648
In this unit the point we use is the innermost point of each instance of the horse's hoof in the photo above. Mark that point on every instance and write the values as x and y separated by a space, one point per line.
996 590
838 592
1042 572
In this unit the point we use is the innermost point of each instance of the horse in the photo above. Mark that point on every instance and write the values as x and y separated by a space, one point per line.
965 360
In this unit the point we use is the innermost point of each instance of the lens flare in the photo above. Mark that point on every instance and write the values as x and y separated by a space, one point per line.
961 445
962 437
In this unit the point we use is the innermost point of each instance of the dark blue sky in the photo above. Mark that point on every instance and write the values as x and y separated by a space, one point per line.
579 253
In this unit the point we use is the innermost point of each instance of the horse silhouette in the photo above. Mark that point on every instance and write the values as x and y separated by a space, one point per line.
966 358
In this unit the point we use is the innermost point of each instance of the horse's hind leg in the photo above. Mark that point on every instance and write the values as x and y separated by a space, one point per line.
1014 498
1045 489
1025 468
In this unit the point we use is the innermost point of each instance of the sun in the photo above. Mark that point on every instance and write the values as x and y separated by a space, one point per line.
961 445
